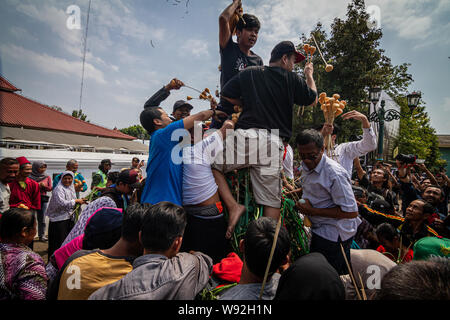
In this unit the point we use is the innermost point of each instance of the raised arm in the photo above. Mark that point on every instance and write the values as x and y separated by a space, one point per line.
359 170
428 173
189 122
309 70
163 93
224 22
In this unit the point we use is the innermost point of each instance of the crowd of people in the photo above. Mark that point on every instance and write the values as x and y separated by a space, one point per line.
378 232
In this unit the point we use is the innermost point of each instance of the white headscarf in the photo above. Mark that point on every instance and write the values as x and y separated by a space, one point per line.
61 192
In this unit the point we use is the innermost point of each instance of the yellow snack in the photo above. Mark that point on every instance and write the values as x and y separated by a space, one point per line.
306 48
338 112
336 96
329 68
189 98
321 100
335 107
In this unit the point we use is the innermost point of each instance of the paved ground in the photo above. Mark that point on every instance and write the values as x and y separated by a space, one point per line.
41 247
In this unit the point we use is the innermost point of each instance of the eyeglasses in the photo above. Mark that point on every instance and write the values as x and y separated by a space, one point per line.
309 156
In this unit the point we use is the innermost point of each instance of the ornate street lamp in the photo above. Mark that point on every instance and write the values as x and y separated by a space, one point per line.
374 94
382 115
413 100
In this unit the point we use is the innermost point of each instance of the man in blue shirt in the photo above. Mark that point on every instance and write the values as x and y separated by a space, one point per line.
329 201
164 169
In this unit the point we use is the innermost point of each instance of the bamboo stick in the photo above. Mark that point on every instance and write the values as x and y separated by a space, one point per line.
350 272
274 244
362 287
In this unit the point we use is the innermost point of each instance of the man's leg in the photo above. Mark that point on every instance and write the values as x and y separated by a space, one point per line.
235 210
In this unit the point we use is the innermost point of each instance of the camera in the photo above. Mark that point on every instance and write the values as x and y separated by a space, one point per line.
406 158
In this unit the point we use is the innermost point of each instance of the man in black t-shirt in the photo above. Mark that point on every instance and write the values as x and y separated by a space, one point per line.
267 95
235 57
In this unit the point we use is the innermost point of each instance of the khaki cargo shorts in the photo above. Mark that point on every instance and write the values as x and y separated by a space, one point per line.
262 152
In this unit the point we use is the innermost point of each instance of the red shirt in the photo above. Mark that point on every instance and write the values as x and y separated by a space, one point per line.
31 196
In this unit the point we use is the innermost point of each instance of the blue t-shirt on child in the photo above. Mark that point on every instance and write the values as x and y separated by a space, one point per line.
165 169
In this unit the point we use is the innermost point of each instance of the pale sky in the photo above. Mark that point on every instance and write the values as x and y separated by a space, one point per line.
136 46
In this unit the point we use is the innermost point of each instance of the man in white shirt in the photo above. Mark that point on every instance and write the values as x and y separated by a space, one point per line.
9 168
347 152
329 201
206 230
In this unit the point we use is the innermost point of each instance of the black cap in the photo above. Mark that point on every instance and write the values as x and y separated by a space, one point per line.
106 161
382 206
285 47
181 103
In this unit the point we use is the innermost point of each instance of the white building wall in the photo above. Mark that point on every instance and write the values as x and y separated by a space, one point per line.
88 162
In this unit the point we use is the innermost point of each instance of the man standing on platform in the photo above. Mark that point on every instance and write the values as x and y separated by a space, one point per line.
235 57
267 95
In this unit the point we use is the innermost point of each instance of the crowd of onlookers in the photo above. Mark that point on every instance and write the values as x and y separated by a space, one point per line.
116 243
379 232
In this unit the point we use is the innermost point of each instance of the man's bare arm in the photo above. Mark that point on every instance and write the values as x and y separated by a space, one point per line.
224 19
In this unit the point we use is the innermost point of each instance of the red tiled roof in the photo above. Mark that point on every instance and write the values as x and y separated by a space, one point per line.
7 86
18 111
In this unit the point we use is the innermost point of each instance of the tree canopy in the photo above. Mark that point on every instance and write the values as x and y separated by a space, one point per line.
353 48
136 131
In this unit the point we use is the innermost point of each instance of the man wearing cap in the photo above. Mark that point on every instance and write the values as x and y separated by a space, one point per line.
267 95
100 177
181 109
127 181
236 56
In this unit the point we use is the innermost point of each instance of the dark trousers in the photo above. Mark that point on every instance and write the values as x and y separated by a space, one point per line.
206 236
332 251
57 233
41 219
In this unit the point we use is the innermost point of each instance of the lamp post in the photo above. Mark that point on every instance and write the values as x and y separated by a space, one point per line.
382 115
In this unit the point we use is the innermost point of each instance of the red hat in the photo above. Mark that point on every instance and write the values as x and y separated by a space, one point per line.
22 161
229 269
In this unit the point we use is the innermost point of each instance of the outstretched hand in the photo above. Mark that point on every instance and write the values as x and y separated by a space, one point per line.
174 84
220 115
357 116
